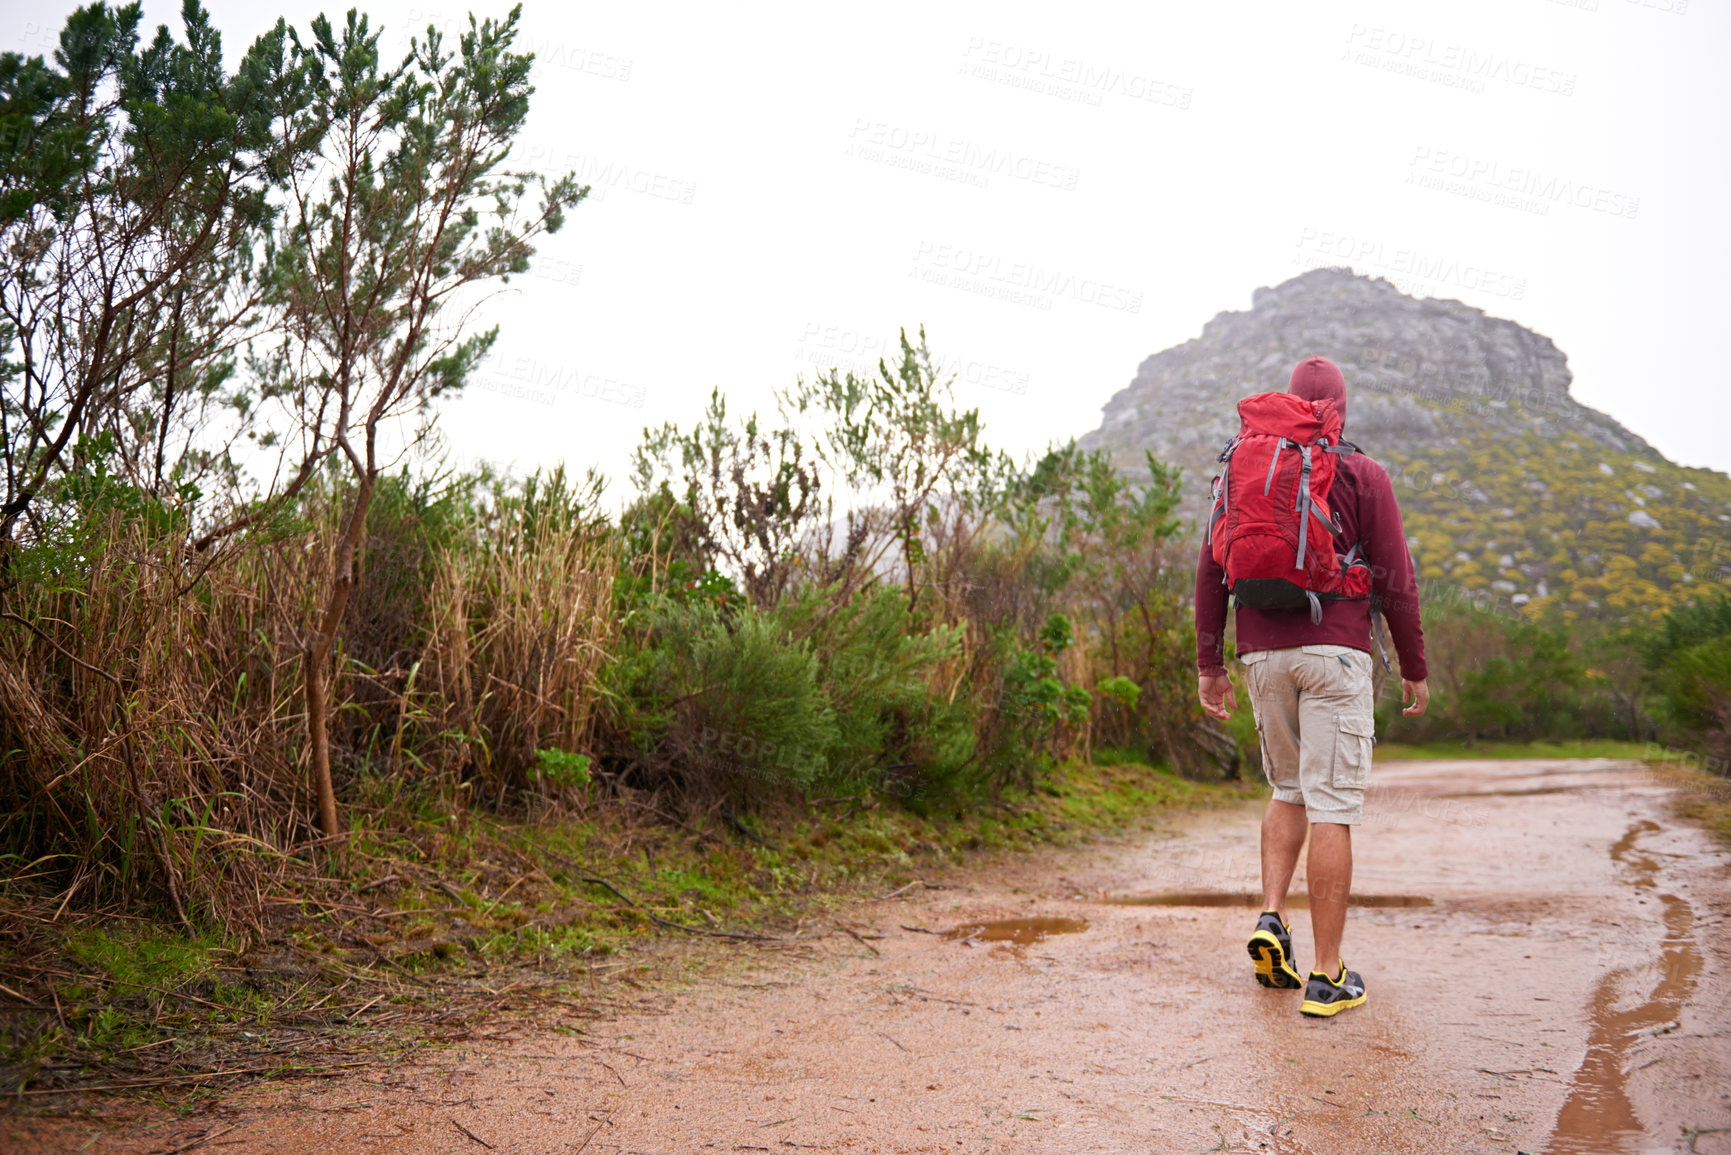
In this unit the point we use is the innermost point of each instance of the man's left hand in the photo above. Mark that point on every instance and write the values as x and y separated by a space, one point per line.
1215 690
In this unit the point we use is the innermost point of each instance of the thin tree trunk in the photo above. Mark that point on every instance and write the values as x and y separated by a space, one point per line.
168 392
318 655
909 529
318 734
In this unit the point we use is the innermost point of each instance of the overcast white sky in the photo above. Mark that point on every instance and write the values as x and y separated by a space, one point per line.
1057 191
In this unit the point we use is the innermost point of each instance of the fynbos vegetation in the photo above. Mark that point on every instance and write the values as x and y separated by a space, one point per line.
232 301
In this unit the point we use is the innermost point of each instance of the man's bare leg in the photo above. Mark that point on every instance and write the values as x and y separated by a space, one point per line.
1329 872
1283 827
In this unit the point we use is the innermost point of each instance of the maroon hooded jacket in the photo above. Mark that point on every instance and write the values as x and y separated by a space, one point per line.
1363 500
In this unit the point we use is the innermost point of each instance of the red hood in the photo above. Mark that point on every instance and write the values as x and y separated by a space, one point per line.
1319 379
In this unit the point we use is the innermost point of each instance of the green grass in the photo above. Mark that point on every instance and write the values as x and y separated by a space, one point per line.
123 980
892 845
143 957
1114 797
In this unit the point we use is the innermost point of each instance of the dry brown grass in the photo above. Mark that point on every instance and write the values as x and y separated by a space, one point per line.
151 704
518 636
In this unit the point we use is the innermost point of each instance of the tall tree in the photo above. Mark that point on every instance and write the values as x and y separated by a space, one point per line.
134 186
384 253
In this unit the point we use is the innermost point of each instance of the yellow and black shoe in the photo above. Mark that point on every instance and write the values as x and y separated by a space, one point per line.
1271 952
1324 996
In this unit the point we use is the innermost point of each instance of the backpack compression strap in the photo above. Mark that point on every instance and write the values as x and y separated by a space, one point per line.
1223 507
1354 557
1300 503
1376 628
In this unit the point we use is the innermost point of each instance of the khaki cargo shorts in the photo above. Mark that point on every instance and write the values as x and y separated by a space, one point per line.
1313 710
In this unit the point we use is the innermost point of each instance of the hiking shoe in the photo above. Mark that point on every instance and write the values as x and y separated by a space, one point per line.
1271 950
1324 996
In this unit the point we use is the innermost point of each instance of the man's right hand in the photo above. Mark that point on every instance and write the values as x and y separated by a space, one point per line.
1215 690
1416 695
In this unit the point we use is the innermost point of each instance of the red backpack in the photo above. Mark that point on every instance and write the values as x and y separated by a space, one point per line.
1270 526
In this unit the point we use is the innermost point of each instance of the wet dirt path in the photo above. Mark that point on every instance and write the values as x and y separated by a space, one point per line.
1545 952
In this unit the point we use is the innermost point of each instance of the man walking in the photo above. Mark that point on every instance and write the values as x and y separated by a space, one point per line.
1309 678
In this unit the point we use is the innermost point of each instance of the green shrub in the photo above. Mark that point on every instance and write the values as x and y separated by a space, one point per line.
892 733
720 704
1503 678
1690 652
561 769
751 703
1121 690
1044 714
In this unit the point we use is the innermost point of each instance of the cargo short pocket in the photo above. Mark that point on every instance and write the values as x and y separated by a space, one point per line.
1252 661
1355 733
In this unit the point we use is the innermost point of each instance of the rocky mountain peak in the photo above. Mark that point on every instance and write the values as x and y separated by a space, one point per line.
1408 362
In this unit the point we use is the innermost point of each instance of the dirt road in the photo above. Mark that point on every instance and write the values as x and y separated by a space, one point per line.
1545 951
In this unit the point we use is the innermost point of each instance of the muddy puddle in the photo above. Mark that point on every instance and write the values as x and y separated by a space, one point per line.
1598 1118
1254 901
1015 932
